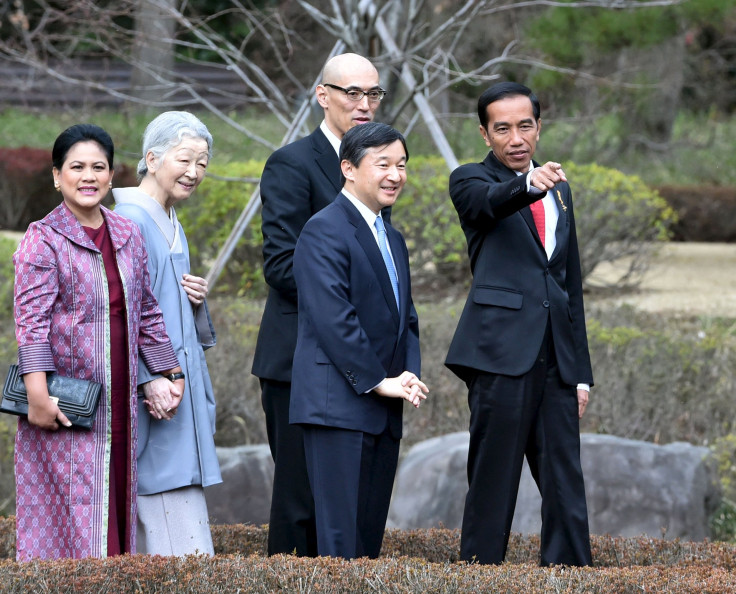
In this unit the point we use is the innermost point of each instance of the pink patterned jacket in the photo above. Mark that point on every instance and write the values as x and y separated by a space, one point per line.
62 324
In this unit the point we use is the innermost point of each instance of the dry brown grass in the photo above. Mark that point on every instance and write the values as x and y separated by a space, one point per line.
419 561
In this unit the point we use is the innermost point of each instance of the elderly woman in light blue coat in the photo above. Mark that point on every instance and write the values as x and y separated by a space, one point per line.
176 448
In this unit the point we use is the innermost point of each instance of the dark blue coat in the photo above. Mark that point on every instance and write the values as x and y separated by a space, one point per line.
350 332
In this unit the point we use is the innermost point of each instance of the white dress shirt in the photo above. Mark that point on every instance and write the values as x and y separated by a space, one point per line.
334 140
551 215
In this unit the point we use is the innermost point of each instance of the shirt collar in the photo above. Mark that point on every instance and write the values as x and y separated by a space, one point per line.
334 140
531 166
365 212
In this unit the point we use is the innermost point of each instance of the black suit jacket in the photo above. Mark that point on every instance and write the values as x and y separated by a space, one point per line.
351 334
299 180
516 290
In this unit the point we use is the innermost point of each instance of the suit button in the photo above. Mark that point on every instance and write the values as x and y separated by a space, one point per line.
545 303
354 381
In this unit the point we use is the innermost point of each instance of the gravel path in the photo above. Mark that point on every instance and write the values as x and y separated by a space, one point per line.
686 278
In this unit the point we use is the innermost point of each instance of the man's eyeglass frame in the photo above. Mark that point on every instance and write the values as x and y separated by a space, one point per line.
354 94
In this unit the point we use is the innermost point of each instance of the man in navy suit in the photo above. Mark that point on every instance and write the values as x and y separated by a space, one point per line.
299 180
521 344
357 353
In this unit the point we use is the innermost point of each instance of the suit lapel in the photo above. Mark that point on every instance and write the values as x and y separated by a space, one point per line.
326 159
364 237
506 174
562 198
526 214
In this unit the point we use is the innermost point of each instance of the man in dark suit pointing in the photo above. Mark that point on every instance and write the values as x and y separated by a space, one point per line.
299 180
521 344
357 353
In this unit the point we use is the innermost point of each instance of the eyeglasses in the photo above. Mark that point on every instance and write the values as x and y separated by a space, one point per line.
374 95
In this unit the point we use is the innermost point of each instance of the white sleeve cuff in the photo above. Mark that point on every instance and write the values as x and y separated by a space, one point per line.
376 386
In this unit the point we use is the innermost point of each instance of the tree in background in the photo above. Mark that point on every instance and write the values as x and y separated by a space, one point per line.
272 50
633 65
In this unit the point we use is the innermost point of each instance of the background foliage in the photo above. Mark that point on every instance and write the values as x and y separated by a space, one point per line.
208 218
618 219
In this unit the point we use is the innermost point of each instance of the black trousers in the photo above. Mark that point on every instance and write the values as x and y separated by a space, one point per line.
534 415
291 526
352 476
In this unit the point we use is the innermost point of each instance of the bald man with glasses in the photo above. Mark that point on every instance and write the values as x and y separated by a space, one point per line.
299 180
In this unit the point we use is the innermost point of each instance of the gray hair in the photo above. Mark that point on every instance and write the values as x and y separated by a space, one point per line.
167 131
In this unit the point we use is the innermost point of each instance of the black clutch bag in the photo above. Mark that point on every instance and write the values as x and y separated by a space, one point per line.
77 398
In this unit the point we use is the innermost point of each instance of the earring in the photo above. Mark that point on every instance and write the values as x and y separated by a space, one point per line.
110 185
57 185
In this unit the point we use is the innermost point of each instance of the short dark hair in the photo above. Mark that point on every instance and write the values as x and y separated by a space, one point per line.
81 133
501 91
360 138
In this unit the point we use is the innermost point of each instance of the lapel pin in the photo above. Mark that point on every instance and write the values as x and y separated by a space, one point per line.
559 197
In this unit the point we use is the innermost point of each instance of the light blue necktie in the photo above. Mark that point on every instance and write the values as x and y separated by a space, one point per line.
387 258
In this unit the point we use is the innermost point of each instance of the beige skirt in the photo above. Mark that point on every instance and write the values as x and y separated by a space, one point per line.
174 523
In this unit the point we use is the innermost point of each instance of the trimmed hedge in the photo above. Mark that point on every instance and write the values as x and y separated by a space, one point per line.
704 213
27 186
419 561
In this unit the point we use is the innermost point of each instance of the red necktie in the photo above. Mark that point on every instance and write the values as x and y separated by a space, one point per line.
538 214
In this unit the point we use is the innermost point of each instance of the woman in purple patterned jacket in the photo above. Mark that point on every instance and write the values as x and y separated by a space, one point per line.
83 308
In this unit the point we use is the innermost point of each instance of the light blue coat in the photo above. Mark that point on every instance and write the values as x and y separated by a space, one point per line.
180 452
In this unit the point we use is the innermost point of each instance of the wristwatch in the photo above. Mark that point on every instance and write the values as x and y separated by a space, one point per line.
172 377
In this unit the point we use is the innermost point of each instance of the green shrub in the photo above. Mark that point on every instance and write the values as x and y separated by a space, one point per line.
7 275
425 215
723 522
240 418
210 215
704 212
724 449
8 355
619 219
661 379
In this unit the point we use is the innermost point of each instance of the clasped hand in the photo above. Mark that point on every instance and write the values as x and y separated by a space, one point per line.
162 397
407 386
195 287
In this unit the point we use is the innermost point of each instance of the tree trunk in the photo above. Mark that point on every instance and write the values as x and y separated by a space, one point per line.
153 52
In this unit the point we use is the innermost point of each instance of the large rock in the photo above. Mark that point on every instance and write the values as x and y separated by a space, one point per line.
632 488
244 496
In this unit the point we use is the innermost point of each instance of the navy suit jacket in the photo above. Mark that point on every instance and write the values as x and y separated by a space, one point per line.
351 335
516 290
298 180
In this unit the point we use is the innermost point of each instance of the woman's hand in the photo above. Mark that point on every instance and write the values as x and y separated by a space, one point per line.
43 412
195 287
163 397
